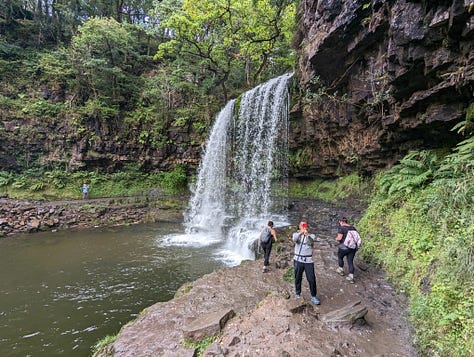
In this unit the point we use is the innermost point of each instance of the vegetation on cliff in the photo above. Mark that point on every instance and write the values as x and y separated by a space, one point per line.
99 85
419 228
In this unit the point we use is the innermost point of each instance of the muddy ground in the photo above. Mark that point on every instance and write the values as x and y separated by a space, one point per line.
267 318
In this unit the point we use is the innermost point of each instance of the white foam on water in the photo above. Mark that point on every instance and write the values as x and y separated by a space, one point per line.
191 239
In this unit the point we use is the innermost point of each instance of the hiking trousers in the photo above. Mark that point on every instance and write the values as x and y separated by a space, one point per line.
267 249
350 253
308 269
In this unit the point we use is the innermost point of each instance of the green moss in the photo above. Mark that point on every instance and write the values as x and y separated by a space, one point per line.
199 346
57 184
331 191
289 275
101 346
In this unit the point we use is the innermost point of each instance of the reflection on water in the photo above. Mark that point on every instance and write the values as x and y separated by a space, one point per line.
61 292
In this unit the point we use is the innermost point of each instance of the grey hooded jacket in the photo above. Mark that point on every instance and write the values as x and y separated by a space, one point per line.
304 247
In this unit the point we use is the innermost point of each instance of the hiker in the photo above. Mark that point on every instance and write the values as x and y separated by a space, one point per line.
347 247
303 260
265 241
85 191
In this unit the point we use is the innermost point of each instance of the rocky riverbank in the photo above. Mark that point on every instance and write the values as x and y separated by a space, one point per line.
25 216
250 313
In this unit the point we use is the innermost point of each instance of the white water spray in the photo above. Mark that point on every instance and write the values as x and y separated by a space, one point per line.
242 180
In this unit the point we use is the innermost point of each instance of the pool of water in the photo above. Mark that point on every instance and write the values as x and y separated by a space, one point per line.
61 292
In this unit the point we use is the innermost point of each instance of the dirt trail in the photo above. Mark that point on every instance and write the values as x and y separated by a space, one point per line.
264 324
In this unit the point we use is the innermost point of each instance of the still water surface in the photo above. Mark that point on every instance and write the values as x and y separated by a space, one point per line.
61 292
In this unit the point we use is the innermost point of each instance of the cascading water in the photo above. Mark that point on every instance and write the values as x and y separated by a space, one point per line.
242 180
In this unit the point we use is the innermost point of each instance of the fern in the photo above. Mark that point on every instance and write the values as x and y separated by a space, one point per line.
460 161
415 170
6 178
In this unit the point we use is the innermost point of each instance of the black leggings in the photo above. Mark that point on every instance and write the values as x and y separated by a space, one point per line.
308 268
267 249
350 253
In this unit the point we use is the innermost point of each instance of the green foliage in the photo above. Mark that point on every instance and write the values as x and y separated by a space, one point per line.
330 191
102 344
422 238
60 184
218 39
101 55
469 123
415 170
43 108
174 181
53 66
95 108
289 275
6 178
299 159
200 346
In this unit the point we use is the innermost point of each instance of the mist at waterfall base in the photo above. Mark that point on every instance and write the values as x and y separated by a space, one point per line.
243 177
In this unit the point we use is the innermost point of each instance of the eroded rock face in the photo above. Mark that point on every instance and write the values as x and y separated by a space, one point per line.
377 79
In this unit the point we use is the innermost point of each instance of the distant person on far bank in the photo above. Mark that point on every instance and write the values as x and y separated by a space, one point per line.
85 191
303 260
265 241
349 241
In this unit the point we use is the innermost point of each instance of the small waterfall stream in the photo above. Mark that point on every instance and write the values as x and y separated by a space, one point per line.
242 180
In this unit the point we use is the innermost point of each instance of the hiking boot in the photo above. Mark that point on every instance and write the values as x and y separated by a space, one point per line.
298 296
315 300
265 269
350 277
340 271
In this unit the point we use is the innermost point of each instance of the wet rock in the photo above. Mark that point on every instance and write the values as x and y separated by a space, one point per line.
207 325
33 224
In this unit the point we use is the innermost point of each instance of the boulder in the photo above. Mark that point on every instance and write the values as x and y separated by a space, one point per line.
207 325
347 315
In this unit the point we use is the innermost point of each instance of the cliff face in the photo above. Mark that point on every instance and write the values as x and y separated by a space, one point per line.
379 78
376 79
58 142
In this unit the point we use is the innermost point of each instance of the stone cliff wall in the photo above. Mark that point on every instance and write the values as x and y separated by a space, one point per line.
59 142
377 79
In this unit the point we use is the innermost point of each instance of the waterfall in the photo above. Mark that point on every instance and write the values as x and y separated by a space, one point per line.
242 178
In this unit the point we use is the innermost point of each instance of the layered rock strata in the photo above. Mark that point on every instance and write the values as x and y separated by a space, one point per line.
377 79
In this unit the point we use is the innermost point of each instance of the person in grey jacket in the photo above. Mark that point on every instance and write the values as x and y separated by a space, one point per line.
303 260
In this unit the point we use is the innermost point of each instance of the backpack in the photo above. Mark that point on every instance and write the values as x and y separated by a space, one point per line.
353 239
266 235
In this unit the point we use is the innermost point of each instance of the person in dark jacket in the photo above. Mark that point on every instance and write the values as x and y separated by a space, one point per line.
265 241
343 250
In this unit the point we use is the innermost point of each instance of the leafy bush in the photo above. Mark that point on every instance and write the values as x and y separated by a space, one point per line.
174 181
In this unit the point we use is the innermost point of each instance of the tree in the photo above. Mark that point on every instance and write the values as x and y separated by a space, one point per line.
102 55
221 39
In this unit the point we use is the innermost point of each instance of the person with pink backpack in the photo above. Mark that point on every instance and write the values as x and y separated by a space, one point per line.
349 241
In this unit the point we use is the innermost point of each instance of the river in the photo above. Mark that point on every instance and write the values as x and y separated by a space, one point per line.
61 292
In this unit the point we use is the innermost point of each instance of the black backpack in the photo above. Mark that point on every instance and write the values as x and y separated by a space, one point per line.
266 235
